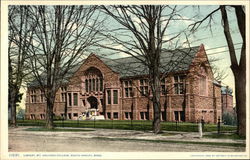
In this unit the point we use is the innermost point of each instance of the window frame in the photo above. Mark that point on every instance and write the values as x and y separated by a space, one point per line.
115 99
179 85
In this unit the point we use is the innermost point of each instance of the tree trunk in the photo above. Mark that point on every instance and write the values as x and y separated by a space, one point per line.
240 88
156 103
12 103
239 69
49 113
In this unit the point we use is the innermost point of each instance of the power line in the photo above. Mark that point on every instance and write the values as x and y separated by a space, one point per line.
221 47
221 52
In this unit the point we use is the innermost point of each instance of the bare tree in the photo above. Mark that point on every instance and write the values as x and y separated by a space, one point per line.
219 74
142 33
238 67
20 39
60 40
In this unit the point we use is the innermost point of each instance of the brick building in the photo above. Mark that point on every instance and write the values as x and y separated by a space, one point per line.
227 99
116 88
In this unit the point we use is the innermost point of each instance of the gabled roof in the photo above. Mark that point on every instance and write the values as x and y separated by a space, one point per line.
171 61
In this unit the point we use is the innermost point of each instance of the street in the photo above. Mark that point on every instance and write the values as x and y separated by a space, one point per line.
90 141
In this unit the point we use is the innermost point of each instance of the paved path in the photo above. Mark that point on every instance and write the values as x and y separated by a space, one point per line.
33 141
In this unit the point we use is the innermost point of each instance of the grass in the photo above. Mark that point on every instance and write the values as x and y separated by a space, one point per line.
128 125
59 130
225 136
173 141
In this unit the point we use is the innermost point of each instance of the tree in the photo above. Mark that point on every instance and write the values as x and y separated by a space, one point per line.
19 41
142 35
219 74
238 67
61 36
20 113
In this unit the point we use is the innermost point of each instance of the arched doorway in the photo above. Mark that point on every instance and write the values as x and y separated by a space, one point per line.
93 102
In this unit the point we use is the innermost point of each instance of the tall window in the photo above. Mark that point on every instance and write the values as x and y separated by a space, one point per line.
128 88
179 84
143 87
163 87
87 85
42 97
75 96
93 80
203 85
63 94
115 96
70 99
109 96
33 96
90 85
93 84
97 85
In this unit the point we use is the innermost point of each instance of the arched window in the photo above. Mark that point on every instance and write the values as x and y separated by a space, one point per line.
203 81
86 86
97 85
90 85
93 84
93 80
101 84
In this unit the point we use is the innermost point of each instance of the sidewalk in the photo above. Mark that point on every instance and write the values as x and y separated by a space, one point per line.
113 140
131 134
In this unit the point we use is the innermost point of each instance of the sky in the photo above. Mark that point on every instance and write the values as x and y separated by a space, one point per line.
213 38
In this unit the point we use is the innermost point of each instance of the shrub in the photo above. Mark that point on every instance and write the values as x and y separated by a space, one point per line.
229 118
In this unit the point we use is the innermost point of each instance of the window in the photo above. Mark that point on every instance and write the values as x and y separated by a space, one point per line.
75 114
163 115
97 85
69 115
178 84
115 115
41 96
144 87
128 88
142 115
176 115
163 87
182 114
42 116
101 84
63 97
33 96
75 95
86 85
203 85
127 115
70 99
90 85
179 115
108 115
109 96
115 96
93 84
147 115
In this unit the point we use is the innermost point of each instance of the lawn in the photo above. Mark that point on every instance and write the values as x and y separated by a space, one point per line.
129 125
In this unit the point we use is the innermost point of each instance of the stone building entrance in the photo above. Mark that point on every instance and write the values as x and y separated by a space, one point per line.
93 102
